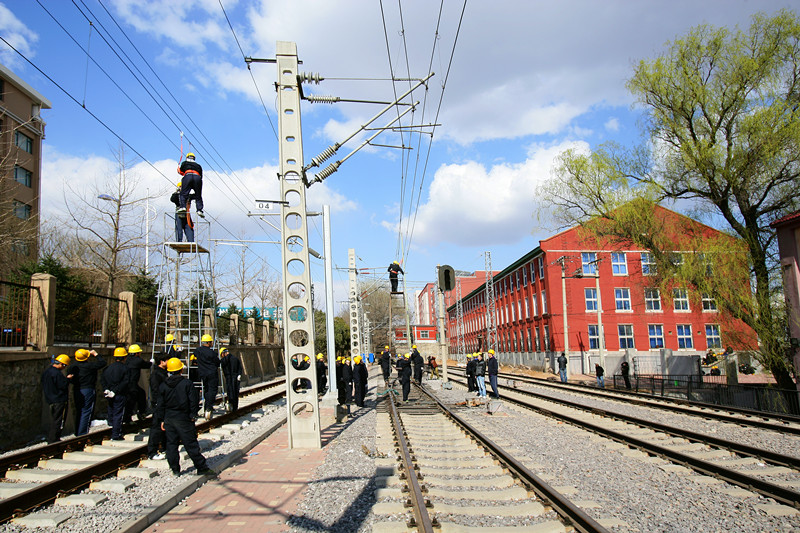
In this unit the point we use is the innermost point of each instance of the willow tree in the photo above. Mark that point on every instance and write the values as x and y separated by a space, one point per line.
722 121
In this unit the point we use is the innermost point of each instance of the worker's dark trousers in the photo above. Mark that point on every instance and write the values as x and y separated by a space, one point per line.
393 279
191 183
360 393
232 392
418 374
57 412
157 437
183 432
116 410
210 388
405 381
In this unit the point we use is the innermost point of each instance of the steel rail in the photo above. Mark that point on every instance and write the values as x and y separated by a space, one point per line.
562 505
32 457
418 507
771 490
657 402
649 399
37 496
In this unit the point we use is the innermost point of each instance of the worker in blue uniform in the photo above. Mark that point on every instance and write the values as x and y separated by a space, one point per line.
208 371
84 387
55 386
404 373
394 269
116 381
232 370
182 226
360 377
191 181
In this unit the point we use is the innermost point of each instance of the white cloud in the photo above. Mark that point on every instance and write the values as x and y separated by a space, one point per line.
612 124
470 205
18 35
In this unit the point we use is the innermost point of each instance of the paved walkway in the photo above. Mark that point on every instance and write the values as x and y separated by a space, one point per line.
258 495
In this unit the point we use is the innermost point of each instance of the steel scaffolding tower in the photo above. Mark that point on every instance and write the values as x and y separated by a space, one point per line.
491 307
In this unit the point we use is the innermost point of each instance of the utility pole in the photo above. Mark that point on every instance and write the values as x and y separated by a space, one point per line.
443 351
491 308
298 337
355 319
326 233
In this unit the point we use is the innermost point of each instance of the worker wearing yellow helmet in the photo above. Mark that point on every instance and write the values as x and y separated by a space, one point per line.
192 181
345 390
322 374
136 397
56 393
208 363
177 410
404 373
84 371
394 269
418 363
360 376
116 382
232 370
385 360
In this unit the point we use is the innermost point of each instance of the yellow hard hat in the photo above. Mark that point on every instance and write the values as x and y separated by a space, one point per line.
306 358
386 347
491 352
190 155
174 365
338 358
134 348
193 357
223 349
207 338
320 356
82 354
395 262
413 345
357 359
120 352
407 355
63 359
180 183
169 338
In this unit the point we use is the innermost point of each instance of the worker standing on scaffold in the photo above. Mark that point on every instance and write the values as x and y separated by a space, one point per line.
192 181
182 225
394 269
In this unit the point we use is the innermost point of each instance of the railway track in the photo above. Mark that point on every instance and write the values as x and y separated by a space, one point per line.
722 459
37 477
765 420
441 472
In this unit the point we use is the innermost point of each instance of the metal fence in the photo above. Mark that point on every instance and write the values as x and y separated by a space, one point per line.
242 330
715 390
259 325
15 305
86 318
146 322
223 326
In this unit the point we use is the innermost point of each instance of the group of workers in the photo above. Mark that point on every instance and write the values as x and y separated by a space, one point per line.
477 369
174 400
351 379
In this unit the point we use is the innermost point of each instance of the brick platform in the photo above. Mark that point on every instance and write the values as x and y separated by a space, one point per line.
257 495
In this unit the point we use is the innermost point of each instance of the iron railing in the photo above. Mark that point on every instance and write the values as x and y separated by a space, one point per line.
79 317
715 390
243 323
223 326
146 322
15 306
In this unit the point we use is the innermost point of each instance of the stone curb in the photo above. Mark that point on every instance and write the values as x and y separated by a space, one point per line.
152 513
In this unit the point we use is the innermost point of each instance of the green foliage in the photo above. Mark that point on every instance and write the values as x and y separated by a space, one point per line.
723 128
143 285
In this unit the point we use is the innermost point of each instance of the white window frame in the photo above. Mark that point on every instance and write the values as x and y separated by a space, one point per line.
589 262
709 303
594 337
652 300
681 333
713 332
655 332
680 300
590 297
541 268
622 300
546 338
648 264
625 333
619 264
544 302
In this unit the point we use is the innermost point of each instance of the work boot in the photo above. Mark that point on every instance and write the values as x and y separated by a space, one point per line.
180 210
201 214
207 415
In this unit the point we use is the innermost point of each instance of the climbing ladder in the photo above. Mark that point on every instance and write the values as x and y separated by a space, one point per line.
397 306
186 301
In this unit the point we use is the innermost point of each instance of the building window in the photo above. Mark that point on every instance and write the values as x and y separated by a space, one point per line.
713 339
544 303
655 333
537 339
594 337
20 247
533 272
622 299
590 295
589 262
515 342
22 211
424 334
524 276
685 337
676 258
680 297
625 332
516 280
22 176
519 309
619 264
535 306
23 142
709 303
530 345
541 268
652 299
648 264
547 338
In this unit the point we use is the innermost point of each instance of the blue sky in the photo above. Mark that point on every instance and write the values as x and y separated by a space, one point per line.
527 80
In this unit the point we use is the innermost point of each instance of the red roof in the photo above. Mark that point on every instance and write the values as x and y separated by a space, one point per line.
792 217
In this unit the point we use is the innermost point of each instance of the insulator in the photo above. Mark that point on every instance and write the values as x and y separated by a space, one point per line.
325 172
324 156
322 99
311 77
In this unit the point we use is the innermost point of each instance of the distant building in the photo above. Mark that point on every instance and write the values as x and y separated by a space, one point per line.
21 134
635 318
426 298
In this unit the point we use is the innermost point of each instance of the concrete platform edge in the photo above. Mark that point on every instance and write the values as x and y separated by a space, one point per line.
159 509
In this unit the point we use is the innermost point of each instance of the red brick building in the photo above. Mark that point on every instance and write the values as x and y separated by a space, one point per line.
426 298
626 317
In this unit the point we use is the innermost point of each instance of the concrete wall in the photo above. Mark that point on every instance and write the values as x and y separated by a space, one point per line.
23 411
